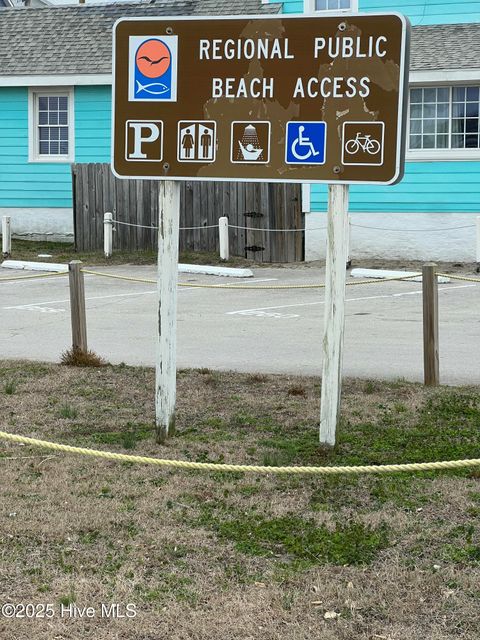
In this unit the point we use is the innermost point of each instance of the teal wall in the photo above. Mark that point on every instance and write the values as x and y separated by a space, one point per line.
419 11
47 184
428 187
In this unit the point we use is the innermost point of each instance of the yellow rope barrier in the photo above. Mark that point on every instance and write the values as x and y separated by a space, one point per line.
210 466
240 286
41 275
465 278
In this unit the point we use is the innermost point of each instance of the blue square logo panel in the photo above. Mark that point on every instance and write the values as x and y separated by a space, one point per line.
306 142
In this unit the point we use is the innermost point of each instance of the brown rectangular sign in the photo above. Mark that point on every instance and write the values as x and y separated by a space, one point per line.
269 99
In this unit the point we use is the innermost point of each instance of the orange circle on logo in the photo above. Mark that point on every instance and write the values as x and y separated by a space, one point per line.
153 58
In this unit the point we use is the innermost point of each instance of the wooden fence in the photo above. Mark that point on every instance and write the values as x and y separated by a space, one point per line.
250 205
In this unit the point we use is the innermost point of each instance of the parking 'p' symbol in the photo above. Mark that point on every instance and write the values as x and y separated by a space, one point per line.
144 141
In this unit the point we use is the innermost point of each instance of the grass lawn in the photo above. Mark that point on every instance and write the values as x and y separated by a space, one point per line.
238 556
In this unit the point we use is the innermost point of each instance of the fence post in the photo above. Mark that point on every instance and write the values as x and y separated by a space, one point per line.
478 244
223 238
430 324
108 234
77 306
6 236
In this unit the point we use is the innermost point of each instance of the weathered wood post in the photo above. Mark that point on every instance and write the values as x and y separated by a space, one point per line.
108 234
335 279
77 306
6 236
223 238
430 325
166 361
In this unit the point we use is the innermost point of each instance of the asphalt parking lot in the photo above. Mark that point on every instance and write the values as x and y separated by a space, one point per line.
271 331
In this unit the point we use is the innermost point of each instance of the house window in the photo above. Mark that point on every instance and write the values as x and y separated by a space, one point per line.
333 5
51 126
444 118
312 6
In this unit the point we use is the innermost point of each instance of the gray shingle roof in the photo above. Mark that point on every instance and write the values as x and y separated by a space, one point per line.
73 40
445 46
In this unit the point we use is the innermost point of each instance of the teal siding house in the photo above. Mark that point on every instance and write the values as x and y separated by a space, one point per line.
55 109
439 197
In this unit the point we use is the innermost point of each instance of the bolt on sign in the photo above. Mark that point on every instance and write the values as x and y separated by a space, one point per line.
273 99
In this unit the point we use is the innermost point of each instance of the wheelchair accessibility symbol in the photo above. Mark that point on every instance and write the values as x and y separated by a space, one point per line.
306 142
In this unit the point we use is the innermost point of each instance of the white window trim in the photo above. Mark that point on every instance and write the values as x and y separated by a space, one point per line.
309 7
441 155
33 155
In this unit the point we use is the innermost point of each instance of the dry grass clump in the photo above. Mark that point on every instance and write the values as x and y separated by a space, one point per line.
79 358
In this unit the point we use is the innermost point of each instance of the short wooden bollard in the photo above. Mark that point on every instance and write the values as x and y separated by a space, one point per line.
223 238
77 306
430 325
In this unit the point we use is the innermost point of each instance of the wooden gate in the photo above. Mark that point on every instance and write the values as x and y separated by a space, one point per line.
252 210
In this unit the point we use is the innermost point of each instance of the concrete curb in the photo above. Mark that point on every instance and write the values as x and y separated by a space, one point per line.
382 274
182 268
52 267
215 271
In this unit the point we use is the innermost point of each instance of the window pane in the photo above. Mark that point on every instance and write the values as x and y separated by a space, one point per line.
442 126
43 117
415 142
63 117
459 94
429 95
54 133
443 110
443 95
458 126
63 133
472 94
333 4
54 148
458 142
43 104
321 5
472 109
43 148
429 142
471 125
63 103
53 118
415 126
429 126
344 4
442 142
53 104
429 111
43 133
458 110
64 148
416 111
471 142
416 96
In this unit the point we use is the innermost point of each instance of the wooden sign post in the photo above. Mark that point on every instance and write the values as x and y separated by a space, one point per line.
334 316
166 357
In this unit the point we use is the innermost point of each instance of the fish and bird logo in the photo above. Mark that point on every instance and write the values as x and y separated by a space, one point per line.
153 68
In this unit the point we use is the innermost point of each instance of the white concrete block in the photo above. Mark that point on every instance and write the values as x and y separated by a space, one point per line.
35 266
384 274
215 271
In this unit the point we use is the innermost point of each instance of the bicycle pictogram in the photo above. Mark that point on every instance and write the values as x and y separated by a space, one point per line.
363 143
